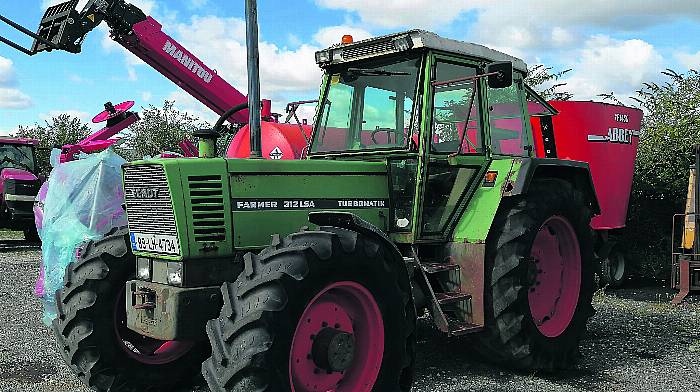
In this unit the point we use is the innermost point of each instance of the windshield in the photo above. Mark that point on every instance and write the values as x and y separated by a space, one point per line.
369 107
18 156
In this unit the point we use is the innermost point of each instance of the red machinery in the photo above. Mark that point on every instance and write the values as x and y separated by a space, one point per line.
19 183
64 28
605 136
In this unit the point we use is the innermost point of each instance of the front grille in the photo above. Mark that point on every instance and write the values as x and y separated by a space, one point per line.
149 208
22 187
206 194
373 49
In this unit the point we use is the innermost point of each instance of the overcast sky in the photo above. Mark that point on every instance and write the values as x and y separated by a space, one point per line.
612 46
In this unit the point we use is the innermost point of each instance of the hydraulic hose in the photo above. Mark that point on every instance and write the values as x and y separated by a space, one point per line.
220 122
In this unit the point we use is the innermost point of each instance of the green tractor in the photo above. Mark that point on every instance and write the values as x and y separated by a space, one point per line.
421 192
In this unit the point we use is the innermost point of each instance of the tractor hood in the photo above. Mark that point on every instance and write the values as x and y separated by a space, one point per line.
210 208
15 175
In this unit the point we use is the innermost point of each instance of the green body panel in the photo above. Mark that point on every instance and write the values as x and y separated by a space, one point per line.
475 223
297 188
300 183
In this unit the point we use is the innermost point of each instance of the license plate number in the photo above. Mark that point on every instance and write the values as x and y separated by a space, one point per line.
155 243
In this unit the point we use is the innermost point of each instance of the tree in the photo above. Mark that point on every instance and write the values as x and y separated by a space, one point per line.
160 129
541 79
670 130
60 130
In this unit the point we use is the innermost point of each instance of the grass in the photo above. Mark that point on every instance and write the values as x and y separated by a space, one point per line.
6 234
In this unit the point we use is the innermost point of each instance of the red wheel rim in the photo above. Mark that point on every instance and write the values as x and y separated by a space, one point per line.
141 348
553 296
349 308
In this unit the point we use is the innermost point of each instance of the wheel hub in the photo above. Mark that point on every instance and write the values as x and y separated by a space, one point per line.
554 276
333 350
338 344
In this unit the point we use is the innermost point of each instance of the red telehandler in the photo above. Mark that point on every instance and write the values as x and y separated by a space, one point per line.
65 28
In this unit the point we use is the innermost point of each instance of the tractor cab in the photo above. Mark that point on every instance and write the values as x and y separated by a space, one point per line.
439 111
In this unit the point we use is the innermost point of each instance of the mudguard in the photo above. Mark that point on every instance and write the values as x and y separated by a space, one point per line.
577 172
350 221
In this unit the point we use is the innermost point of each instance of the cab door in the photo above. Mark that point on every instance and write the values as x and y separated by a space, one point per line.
454 152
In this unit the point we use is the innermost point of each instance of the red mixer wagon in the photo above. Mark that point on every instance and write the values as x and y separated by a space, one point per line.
606 136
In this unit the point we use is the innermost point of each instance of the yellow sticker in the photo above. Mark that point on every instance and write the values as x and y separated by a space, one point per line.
91 17
335 79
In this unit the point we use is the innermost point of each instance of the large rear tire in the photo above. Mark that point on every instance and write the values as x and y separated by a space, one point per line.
301 308
539 278
91 327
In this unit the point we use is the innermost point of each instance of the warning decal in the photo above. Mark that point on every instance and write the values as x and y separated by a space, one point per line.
276 153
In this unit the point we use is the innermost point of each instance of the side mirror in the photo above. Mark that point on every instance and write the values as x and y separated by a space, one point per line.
502 74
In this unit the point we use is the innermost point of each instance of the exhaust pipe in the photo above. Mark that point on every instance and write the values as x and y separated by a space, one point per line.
251 17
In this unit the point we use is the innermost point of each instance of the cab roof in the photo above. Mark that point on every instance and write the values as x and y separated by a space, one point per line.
18 140
408 40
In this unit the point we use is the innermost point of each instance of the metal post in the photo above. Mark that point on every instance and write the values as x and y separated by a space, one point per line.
251 16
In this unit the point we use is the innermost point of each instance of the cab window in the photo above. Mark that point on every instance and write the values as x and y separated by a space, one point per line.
456 111
369 107
507 127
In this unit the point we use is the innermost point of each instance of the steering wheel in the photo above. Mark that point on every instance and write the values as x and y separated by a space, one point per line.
377 130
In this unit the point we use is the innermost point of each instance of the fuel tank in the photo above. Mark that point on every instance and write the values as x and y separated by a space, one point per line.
279 141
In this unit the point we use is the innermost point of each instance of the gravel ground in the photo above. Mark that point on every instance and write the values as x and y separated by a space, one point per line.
636 342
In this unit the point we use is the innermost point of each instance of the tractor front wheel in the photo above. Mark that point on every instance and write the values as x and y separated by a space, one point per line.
539 278
91 331
316 311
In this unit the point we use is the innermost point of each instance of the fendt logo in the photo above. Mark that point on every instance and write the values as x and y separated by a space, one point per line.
145 193
186 61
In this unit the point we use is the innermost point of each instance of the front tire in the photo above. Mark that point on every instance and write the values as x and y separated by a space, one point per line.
539 278
293 318
91 332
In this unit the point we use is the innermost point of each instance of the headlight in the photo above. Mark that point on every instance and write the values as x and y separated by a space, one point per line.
143 268
402 43
323 57
175 273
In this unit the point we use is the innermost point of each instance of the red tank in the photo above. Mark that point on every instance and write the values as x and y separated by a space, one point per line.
605 136
279 141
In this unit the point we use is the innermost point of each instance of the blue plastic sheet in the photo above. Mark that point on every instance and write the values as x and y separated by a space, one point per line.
83 202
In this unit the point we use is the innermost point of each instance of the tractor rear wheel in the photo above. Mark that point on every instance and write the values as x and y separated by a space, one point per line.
91 327
316 311
539 278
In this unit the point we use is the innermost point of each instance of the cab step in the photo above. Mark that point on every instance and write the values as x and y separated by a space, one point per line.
433 268
444 319
450 297
462 328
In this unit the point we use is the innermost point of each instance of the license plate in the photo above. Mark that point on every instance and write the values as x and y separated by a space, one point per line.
155 243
